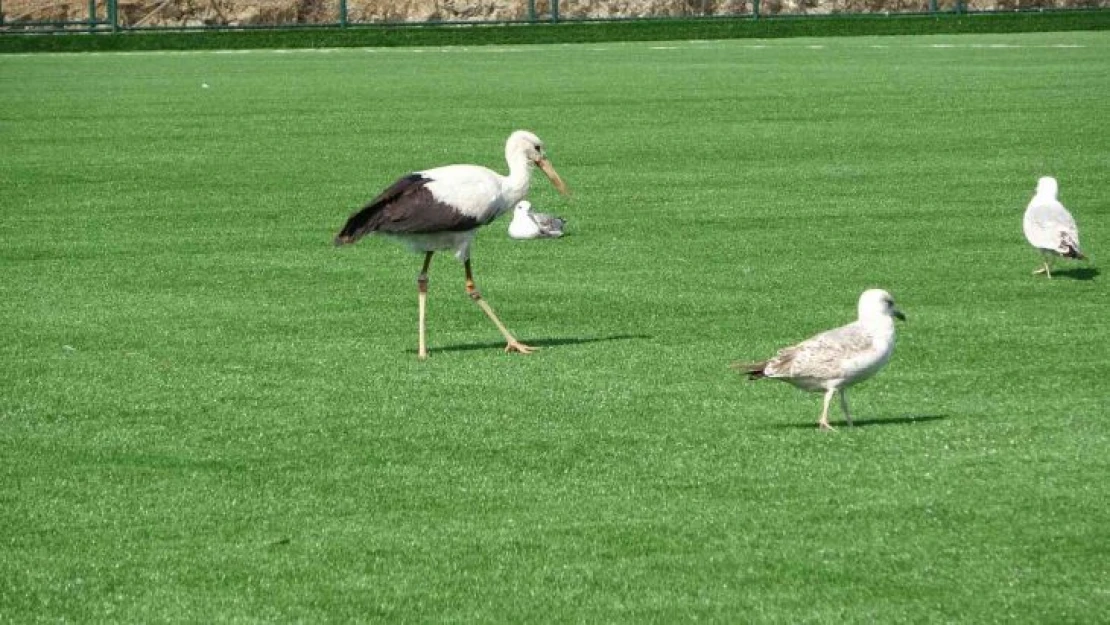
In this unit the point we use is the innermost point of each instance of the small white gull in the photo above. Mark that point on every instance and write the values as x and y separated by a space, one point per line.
527 224
1049 226
834 360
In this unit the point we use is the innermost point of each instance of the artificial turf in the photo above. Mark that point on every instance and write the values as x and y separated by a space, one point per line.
209 414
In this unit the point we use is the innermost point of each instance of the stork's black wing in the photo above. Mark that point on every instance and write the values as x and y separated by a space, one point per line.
406 207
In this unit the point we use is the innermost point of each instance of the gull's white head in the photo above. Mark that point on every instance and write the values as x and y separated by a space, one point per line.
877 304
522 207
1047 187
526 144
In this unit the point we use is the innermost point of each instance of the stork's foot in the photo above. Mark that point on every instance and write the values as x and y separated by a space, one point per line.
825 427
422 355
518 347
1042 269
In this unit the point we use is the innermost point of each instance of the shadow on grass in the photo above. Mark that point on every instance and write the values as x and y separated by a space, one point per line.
866 423
1077 273
550 342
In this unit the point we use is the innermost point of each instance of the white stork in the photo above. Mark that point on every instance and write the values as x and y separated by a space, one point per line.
442 209
1049 227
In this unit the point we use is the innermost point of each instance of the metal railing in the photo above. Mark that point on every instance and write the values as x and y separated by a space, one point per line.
131 15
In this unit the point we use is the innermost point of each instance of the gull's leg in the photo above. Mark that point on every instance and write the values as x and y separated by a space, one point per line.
422 299
1044 268
824 422
471 290
844 406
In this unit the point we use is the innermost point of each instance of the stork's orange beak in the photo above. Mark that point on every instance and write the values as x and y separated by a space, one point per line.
551 174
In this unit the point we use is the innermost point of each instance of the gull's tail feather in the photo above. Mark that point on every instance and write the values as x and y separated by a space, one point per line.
1069 247
1073 252
754 370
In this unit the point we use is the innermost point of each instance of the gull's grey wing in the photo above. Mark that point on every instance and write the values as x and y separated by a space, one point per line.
826 356
549 225
1049 226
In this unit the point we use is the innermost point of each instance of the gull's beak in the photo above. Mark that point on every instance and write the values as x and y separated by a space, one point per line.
897 314
549 171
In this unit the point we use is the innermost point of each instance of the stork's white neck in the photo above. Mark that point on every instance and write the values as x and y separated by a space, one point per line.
520 176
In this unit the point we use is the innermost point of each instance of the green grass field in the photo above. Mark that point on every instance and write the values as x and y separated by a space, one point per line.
210 414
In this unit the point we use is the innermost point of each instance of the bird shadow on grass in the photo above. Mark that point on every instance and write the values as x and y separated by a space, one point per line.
1077 273
549 342
866 423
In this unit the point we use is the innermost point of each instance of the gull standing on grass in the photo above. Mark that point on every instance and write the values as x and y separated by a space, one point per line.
834 360
527 224
1049 226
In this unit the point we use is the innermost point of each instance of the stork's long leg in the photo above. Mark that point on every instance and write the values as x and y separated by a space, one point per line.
422 298
824 422
471 290
844 406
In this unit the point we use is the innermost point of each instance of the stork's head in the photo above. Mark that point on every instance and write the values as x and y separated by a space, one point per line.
528 145
877 303
1047 187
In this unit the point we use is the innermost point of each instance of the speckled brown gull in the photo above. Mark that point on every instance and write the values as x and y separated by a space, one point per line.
834 360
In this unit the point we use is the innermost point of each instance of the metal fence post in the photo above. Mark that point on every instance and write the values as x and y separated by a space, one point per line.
554 10
342 13
755 9
932 7
531 10
113 14
92 15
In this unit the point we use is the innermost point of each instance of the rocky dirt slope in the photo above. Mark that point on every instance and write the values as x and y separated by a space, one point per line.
276 12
